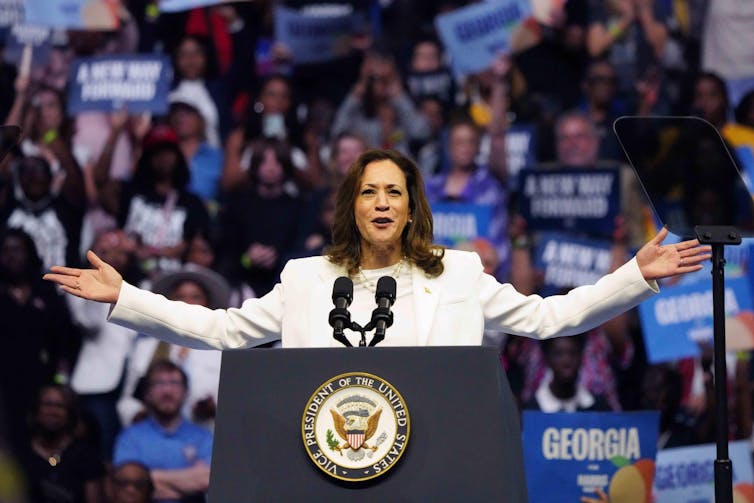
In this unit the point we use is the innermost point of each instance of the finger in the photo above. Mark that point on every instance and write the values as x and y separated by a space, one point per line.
684 245
692 252
68 271
62 280
94 259
696 259
600 492
660 236
73 291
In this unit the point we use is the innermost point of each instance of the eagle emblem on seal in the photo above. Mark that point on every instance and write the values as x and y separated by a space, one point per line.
355 420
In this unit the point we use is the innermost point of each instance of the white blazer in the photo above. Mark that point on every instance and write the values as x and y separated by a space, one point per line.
452 309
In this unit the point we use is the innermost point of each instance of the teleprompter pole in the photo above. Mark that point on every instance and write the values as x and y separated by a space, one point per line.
717 237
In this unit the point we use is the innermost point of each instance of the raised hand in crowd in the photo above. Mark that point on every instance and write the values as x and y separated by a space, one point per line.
262 255
498 126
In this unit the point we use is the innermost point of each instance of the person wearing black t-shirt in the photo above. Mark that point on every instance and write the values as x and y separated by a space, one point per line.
155 206
261 225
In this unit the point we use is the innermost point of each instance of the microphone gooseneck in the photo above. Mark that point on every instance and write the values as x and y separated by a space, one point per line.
340 318
382 316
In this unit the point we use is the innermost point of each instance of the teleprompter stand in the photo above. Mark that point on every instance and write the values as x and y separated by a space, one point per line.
696 190
718 237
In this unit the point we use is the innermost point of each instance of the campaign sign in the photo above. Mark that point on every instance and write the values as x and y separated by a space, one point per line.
569 455
568 261
458 222
587 200
39 38
679 318
745 156
687 474
74 14
520 151
140 83
313 38
474 35
11 12
181 5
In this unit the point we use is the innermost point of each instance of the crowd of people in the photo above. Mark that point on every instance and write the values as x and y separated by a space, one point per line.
206 203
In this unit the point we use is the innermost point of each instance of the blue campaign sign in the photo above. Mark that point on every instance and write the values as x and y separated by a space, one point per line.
520 150
568 261
181 5
458 222
313 38
474 35
73 14
587 200
138 82
11 12
687 474
568 455
745 156
679 318
38 38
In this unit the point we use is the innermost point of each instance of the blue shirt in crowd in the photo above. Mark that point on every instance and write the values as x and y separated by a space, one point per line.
148 443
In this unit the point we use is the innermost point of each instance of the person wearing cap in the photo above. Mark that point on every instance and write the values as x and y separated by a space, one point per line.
155 206
191 284
205 160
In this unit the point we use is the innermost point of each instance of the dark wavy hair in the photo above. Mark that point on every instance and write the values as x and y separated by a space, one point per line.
417 236
144 178
70 401
34 266
283 155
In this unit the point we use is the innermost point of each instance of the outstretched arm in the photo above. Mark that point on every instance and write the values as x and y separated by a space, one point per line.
258 321
588 306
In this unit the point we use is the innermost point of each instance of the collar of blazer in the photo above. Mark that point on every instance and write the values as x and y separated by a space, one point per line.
426 297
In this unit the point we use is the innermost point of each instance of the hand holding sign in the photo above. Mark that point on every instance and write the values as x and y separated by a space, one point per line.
657 261
601 497
501 66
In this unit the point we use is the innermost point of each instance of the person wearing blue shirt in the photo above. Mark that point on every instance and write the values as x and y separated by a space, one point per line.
204 159
177 451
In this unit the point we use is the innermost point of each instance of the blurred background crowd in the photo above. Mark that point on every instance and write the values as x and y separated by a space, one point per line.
206 203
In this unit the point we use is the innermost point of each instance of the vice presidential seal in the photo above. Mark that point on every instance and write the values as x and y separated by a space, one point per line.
355 426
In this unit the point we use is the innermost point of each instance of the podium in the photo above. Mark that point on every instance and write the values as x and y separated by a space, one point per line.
464 442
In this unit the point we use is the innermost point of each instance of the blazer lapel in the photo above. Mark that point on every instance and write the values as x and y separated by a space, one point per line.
320 334
426 296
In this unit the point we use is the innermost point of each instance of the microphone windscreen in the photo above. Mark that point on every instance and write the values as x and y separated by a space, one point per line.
386 288
343 287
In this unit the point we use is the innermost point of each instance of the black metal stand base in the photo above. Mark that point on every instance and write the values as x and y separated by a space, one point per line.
723 480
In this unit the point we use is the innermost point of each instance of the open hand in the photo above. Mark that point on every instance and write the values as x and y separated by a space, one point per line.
660 261
101 283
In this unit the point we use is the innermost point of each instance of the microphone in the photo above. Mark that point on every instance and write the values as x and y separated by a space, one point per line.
340 318
382 317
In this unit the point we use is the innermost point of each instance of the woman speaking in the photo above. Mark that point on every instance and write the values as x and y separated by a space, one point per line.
383 227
